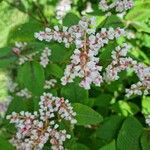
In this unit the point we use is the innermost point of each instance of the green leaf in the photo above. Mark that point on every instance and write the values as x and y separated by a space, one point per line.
139 12
55 70
145 140
112 21
110 146
60 54
70 19
31 76
75 93
146 105
21 105
78 146
86 115
110 127
6 57
141 26
129 135
138 15
103 100
4 144
125 108
24 32
105 55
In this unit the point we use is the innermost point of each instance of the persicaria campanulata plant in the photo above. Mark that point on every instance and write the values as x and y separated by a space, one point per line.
36 129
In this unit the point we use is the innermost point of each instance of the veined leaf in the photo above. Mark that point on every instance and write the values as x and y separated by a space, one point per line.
31 76
86 115
129 135
110 146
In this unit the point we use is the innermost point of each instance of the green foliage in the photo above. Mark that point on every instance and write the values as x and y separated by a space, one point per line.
139 15
110 146
21 105
110 128
125 108
129 135
6 57
145 140
70 19
31 75
55 70
24 32
146 105
5 144
106 119
86 115
79 146
75 93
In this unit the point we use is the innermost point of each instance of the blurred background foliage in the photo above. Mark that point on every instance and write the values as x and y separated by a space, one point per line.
19 19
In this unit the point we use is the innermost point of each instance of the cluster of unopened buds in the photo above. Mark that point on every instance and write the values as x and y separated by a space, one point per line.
26 58
14 88
148 120
84 63
119 5
44 59
62 8
24 93
50 83
19 47
22 46
18 50
34 130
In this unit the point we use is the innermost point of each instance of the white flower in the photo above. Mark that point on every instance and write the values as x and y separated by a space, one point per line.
50 83
119 5
44 59
4 105
25 58
11 86
148 120
41 126
120 62
24 93
62 8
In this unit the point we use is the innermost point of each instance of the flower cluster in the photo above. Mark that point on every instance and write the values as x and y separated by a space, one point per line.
50 83
19 47
62 8
119 5
148 120
26 58
11 86
24 93
34 130
143 86
120 62
84 63
4 105
14 88
44 60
